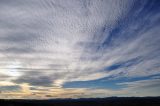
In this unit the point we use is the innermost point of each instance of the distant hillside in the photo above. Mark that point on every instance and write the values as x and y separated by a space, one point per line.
112 101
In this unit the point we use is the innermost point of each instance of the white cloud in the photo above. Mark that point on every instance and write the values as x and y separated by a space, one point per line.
149 87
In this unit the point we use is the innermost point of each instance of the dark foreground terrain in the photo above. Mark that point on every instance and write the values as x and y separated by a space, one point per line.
112 101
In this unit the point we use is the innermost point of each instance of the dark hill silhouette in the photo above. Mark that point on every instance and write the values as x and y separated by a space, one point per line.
112 101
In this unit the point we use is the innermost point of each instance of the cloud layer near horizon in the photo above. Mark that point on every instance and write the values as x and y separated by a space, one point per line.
50 44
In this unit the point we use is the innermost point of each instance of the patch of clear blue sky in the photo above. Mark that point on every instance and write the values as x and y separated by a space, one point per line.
105 83
122 64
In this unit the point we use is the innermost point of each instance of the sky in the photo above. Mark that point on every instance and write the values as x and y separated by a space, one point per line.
79 48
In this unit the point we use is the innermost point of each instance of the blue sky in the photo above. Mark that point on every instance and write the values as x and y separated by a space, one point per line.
79 48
